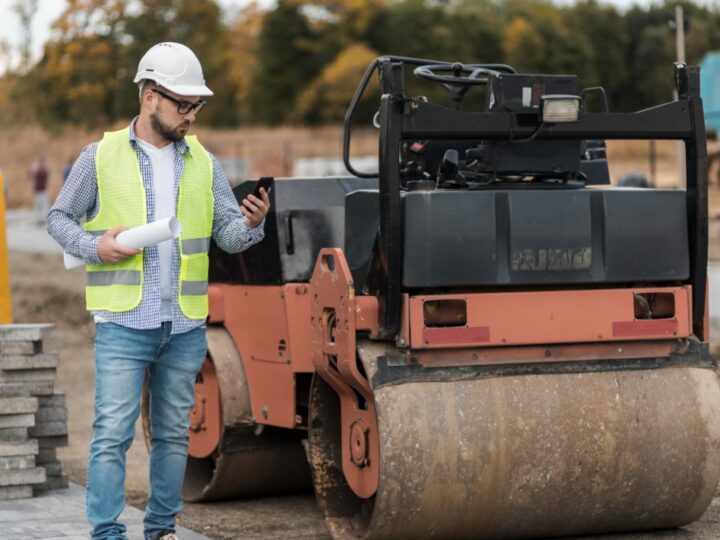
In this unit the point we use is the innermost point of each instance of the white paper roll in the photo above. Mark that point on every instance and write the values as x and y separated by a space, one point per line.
138 237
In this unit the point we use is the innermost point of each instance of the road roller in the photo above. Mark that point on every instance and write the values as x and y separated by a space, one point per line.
483 338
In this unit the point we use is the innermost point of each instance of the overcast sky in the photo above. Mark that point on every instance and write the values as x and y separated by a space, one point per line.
49 10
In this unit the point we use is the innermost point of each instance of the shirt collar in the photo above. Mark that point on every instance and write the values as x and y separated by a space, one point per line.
181 146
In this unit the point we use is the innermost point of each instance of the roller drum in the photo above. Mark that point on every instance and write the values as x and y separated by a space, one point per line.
529 456
258 470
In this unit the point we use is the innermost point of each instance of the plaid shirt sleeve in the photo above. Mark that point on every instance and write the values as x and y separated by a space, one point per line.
77 199
230 231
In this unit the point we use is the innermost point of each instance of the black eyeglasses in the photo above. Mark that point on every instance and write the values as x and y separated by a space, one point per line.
184 107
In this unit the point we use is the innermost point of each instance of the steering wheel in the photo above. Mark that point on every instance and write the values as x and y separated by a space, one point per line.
456 85
431 73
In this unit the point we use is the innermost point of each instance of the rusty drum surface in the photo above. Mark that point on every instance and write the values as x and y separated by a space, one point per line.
530 456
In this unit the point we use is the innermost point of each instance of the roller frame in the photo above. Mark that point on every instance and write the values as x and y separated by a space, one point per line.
334 328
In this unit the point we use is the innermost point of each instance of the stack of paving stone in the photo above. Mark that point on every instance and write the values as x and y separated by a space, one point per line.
33 419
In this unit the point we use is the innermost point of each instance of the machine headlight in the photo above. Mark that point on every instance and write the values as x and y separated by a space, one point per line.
557 108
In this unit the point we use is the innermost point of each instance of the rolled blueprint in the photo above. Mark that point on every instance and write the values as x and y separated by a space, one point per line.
138 237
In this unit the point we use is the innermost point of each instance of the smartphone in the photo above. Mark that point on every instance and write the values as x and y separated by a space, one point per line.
264 182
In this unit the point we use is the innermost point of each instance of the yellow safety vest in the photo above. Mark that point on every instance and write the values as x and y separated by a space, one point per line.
121 197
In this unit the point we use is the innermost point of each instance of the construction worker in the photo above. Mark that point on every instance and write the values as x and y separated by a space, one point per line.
150 305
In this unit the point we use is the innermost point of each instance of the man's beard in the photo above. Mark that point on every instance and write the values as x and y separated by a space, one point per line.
165 131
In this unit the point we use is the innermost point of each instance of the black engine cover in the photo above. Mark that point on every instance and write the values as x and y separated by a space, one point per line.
537 237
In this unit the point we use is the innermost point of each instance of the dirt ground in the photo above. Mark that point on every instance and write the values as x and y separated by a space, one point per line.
43 291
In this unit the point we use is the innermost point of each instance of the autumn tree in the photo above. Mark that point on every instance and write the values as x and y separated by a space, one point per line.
243 58
326 99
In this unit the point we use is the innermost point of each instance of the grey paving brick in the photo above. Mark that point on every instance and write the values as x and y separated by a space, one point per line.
52 442
23 477
14 492
30 388
14 434
17 420
25 332
11 362
55 400
45 455
53 468
17 462
51 482
21 448
21 347
27 375
49 414
63 510
18 405
47 429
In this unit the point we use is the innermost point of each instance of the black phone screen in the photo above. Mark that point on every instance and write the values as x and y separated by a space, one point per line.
264 182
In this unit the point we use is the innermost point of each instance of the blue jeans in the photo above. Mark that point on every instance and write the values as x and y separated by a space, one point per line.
122 356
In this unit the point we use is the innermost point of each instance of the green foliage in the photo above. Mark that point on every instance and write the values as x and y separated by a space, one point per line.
300 60
288 58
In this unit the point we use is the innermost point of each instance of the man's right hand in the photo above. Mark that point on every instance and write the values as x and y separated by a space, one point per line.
110 251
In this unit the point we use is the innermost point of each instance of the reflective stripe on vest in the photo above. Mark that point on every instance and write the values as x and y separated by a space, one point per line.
114 277
122 202
197 245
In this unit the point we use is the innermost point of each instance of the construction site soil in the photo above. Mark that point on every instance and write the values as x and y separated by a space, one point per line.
43 291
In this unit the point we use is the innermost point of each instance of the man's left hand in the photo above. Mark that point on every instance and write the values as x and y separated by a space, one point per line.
254 209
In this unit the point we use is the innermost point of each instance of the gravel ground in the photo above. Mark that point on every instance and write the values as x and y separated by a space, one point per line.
43 291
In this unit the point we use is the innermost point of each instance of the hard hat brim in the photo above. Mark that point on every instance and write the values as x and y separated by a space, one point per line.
189 90
181 90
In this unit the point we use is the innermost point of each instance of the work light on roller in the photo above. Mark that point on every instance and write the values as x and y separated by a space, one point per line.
558 108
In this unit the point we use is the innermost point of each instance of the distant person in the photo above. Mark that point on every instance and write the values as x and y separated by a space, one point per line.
150 305
68 168
38 175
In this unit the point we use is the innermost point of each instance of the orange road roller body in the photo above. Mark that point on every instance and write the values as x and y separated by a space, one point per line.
481 339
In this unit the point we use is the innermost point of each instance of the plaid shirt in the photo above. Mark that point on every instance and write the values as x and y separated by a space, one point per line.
78 199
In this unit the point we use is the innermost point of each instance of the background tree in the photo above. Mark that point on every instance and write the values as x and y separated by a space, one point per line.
300 59
287 59
243 58
326 99
25 10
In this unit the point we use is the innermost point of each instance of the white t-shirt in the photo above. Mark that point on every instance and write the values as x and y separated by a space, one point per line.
163 162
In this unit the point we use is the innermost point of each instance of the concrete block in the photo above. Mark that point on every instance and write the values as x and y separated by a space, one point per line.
17 462
21 347
48 360
50 414
17 420
52 482
29 446
29 388
52 442
23 477
48 429
27 375
18 405
44 455
25 332
13 434
52 469
10 493
55 400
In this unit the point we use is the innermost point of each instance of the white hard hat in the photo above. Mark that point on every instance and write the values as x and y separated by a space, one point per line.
175 67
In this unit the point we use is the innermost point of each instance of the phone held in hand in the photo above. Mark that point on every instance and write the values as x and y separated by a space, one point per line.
266 183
